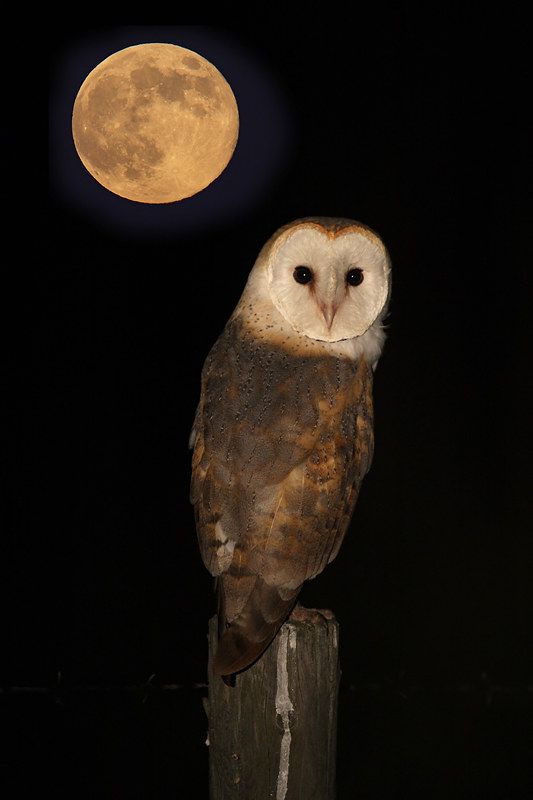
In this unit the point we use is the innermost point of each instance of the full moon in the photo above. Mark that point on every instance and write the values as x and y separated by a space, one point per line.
155 123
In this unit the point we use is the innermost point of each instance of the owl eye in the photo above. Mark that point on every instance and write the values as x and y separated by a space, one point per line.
354 276
302 274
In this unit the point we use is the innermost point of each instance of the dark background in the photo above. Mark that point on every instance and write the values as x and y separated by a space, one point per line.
417 128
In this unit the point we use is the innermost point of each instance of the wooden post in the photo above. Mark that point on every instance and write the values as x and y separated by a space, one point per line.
273 735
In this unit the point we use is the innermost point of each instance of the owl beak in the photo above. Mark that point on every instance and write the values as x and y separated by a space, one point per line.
328 312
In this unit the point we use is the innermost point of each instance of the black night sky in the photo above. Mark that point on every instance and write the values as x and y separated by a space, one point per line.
416 128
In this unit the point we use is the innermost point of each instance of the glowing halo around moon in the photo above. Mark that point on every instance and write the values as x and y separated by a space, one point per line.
155 123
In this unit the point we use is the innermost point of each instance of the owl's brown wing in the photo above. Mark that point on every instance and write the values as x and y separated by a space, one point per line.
281 447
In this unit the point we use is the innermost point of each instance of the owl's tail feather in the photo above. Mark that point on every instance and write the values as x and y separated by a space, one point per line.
242 641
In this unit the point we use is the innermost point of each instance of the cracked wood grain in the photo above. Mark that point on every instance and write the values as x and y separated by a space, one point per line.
273 735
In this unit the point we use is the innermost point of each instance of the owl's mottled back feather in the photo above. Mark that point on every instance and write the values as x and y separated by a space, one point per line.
282 442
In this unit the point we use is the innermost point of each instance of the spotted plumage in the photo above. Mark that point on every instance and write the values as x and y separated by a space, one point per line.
283 432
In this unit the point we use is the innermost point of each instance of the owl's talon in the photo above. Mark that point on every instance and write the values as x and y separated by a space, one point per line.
313 615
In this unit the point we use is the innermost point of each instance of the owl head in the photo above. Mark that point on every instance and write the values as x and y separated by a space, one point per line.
329 278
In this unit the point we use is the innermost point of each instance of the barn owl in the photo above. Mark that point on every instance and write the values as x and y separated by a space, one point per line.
283 432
